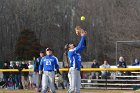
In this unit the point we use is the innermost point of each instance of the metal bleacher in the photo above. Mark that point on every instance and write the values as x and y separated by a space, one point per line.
121 82
110 83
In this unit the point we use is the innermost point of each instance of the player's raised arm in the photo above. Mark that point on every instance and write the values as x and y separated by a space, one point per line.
82 41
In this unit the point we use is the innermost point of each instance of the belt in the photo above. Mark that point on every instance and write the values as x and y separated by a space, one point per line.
50 70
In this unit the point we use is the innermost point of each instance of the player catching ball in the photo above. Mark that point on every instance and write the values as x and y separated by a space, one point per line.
48 63
74 54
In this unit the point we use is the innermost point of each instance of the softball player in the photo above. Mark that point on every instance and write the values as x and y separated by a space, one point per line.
74 55
48 63
36 70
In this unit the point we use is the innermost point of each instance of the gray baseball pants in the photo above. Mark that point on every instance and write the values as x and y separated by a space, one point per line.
48 81
75 80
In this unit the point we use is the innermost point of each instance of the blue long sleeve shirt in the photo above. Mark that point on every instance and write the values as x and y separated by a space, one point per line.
75 54
48 63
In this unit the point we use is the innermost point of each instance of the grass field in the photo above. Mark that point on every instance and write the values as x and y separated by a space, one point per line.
64 91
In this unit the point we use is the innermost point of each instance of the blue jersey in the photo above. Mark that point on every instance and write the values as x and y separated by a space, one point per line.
75 54
48 63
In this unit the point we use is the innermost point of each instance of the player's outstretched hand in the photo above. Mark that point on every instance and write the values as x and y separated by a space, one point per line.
83 33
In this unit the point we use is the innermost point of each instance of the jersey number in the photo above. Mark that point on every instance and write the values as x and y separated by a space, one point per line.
79 58
48 62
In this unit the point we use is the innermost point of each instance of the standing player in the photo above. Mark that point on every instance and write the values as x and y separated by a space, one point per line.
36 70
48 63
74 55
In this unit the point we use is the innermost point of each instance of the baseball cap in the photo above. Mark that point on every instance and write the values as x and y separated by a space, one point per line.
47 49
41 51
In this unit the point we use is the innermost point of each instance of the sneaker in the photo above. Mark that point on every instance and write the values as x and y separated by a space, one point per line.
38 90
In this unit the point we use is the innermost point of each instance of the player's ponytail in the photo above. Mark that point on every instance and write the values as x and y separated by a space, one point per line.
65 56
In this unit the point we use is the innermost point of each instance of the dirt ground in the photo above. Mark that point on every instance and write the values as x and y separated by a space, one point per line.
64 91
